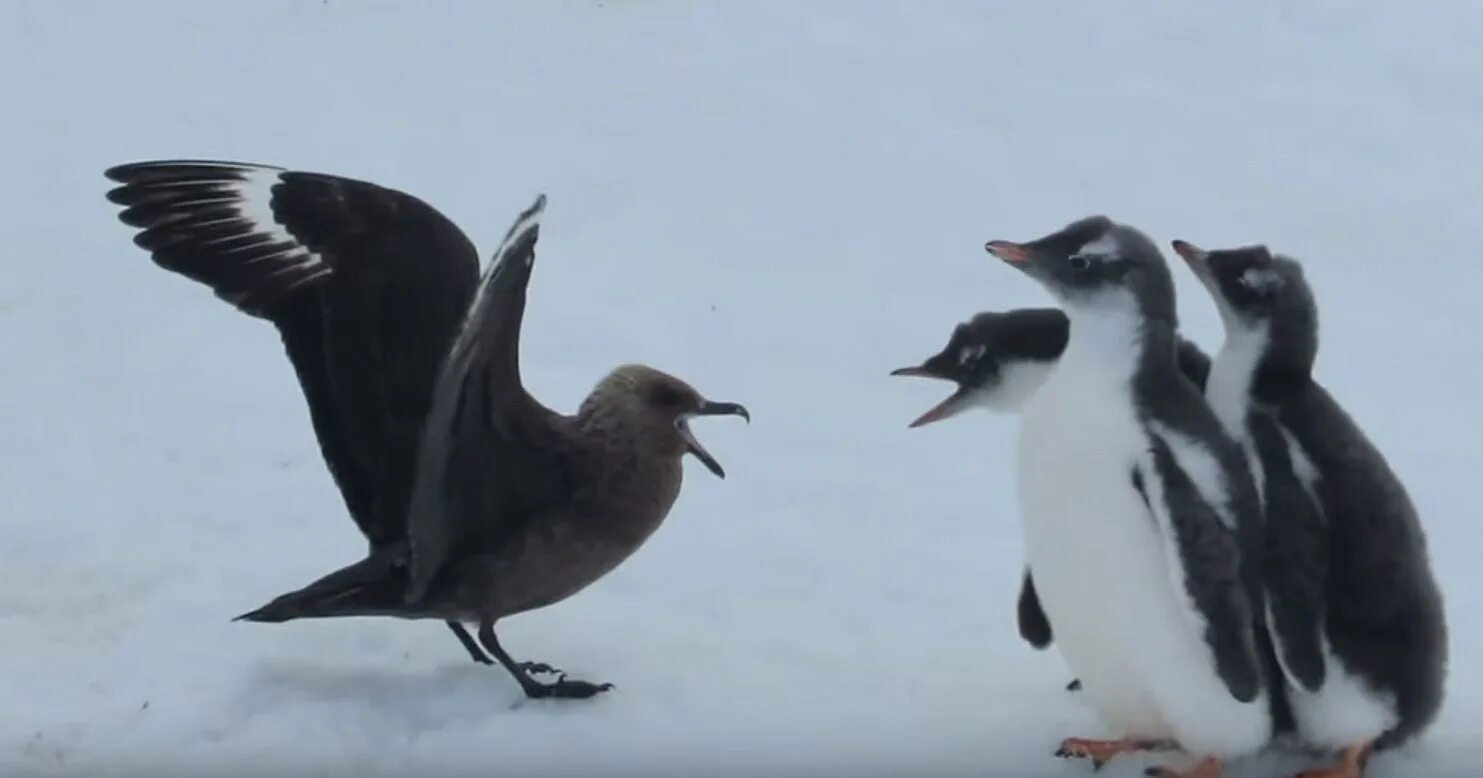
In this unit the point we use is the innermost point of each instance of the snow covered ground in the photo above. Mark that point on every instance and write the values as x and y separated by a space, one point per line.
777 201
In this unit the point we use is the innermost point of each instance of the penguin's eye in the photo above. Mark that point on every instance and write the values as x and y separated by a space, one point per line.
1079 262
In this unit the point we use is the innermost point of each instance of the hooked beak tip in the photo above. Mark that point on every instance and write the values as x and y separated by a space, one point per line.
708 408
724 409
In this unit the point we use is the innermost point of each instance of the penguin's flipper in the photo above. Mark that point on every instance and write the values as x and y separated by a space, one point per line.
1294 560
1034 626
1193 363
1203 552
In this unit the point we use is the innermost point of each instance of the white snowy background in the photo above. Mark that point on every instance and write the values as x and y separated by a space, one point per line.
779 202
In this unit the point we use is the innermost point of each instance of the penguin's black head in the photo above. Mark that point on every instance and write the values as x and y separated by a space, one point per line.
1258 292
996 359
1243 281
1251 286
1096 262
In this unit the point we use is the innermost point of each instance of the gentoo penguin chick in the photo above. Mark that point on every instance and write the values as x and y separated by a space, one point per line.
1377 632
997 360
478 501
1138 512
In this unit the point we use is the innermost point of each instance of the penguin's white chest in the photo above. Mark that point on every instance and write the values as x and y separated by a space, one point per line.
1104 580
1093 548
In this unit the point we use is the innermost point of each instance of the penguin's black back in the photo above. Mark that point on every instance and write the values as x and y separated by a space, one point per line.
1385 616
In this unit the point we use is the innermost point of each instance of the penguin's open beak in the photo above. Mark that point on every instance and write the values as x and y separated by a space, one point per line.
955 403
1013 253
708 408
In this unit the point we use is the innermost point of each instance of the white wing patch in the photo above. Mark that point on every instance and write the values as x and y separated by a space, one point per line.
248 190
252 199
1203 469
194 211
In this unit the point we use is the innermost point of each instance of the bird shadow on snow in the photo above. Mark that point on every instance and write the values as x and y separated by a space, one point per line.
412 701
405 704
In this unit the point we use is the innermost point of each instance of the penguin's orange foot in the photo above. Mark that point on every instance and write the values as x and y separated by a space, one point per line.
1103 751
1209 767
1351 765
